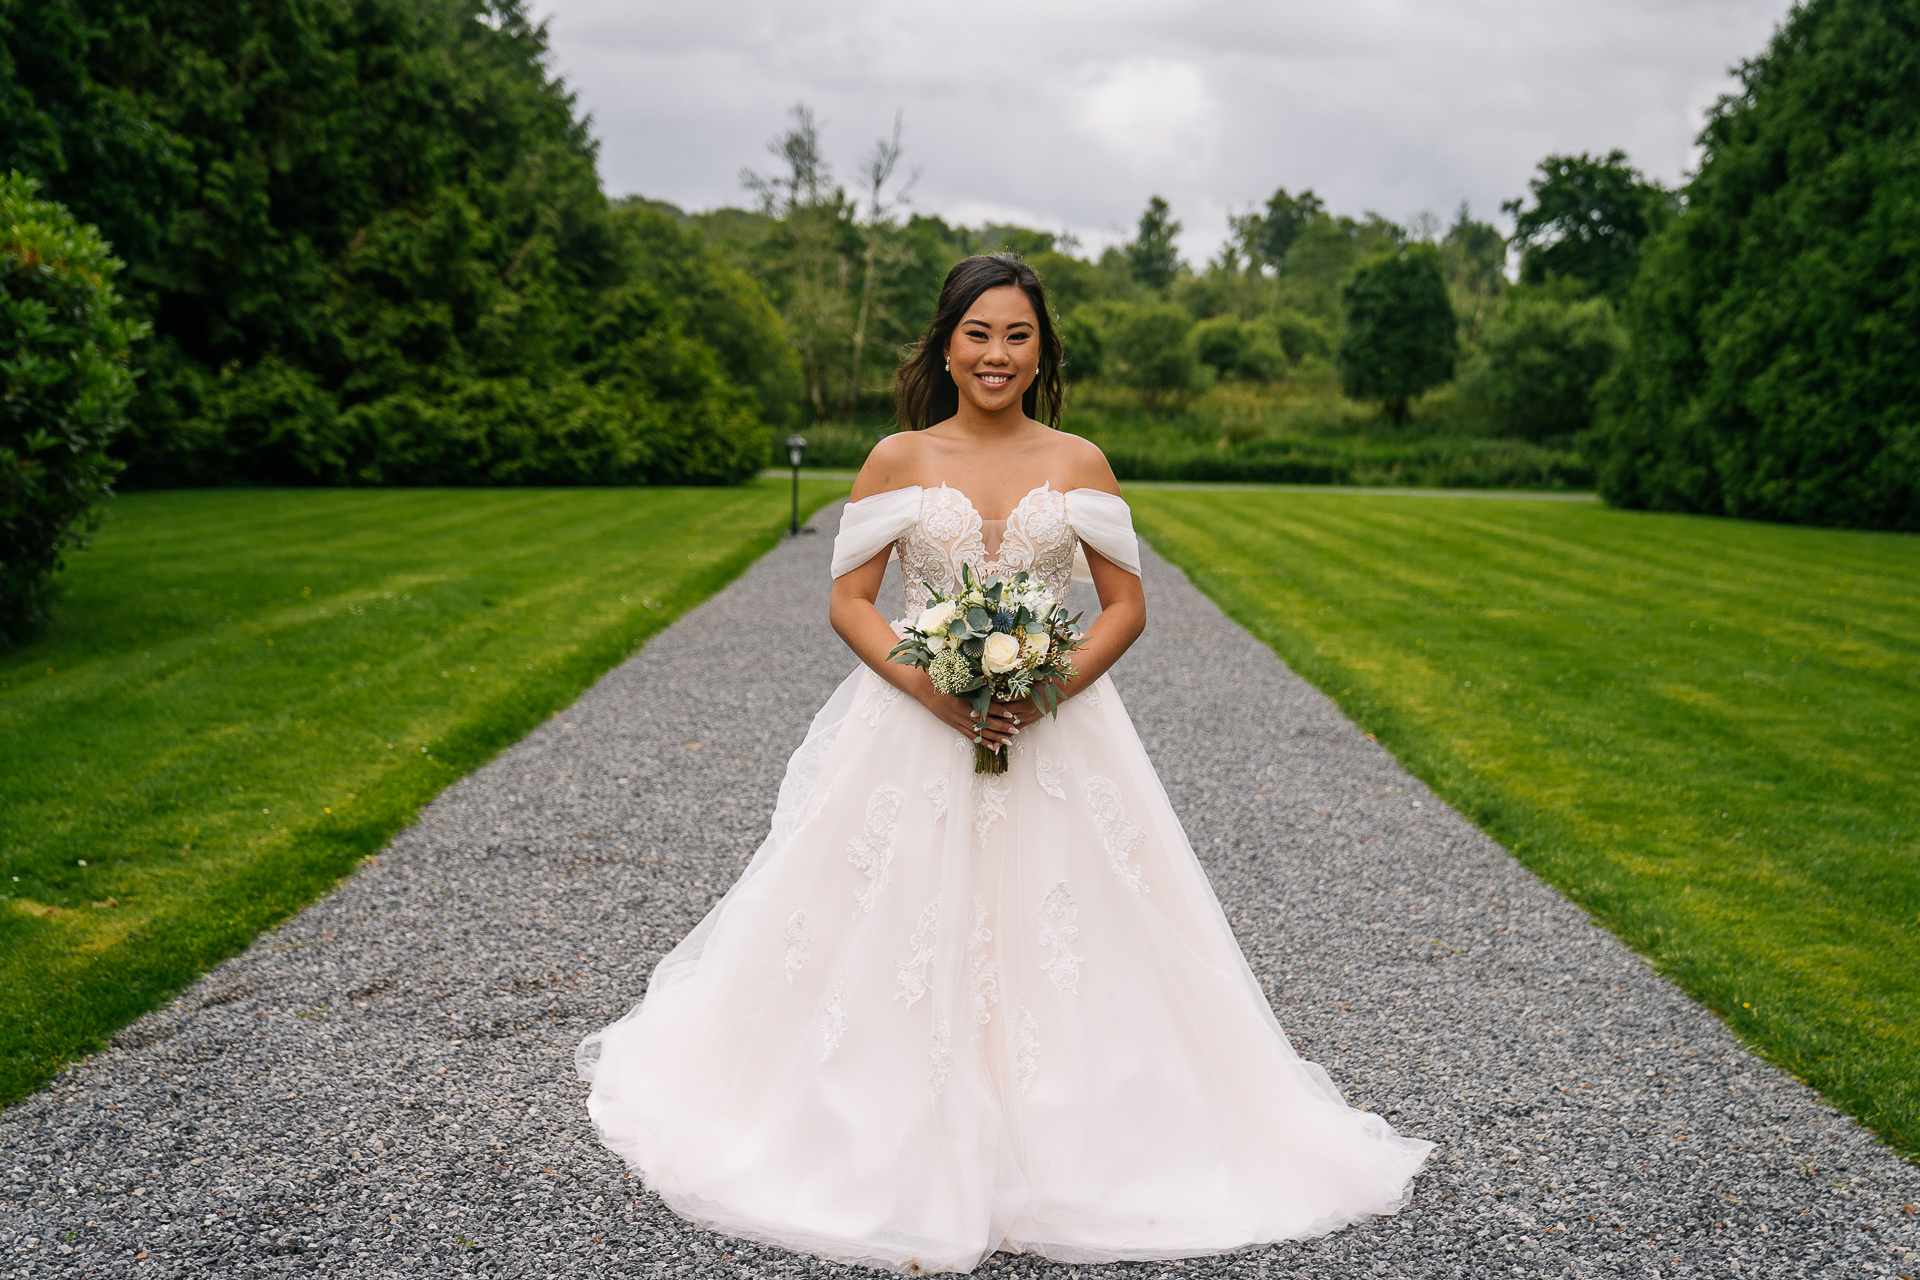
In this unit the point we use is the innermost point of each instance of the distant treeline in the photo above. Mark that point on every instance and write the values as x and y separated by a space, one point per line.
1299 294
1747 344
370 245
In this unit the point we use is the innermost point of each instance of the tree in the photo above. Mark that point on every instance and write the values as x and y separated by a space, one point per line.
1149 346
1265 238
1587 221
815 233
881 250
1475 257
1775 325
1151 254
1324 254
1240 349
371 242
1220 341
63 367
1544 356
713 302
1070 281
92 144
1398 339
1083 344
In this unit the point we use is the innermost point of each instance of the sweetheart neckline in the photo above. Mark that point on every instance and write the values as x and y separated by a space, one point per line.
1044 484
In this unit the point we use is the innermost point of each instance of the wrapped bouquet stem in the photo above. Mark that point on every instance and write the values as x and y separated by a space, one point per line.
995 641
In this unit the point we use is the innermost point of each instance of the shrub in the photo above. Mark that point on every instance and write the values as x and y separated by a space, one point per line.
375 250
1220 342
1399 334
1240 349
1149 346
1544 357
1775 324
1300 335
65 384
1263 357
1083 340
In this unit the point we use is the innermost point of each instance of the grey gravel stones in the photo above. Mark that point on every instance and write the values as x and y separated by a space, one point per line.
384 1086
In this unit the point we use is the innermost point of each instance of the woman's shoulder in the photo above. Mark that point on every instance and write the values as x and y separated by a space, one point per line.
893 463
1081 464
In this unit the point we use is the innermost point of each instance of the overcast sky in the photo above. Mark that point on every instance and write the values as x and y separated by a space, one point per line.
1068 115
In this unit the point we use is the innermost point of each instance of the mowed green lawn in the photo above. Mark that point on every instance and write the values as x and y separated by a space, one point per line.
244 692
1705 732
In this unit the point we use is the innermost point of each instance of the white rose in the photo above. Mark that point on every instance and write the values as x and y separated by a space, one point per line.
936 617
1002 653
1036 644
938 644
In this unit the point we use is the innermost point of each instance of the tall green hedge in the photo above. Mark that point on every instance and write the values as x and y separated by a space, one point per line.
373 247
64 386
1775 325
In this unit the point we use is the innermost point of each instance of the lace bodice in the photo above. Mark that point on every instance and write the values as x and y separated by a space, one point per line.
949 533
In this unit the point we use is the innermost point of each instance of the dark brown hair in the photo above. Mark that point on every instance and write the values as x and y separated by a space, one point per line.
924 392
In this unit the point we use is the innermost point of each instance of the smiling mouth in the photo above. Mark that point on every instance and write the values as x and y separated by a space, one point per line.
996 379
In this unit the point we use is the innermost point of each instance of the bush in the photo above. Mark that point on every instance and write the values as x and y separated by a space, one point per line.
1149 346
375 251
713 303
1263 357
1084 343
1220 342
1238 349
63 365
1399 334
1544 357
1300 335
1495 464
1775 324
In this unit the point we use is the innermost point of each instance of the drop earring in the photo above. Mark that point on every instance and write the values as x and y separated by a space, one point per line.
949 364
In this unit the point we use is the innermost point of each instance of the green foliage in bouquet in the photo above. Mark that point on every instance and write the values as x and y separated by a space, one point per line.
64 387
999 640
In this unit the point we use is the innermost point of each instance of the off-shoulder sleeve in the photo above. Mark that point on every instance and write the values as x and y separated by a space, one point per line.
1105 523
871 524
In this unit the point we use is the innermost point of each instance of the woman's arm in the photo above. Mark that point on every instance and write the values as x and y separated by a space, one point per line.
854 616
1123 616
859 623
1123 603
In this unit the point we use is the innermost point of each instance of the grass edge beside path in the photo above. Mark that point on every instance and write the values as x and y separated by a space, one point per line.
148 729
1700 731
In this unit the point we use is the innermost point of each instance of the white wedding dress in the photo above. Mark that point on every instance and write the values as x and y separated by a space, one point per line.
944 1013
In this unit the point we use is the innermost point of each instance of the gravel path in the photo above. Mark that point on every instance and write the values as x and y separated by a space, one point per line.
384 1086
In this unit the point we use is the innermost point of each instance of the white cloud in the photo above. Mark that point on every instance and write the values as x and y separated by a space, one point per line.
1070 114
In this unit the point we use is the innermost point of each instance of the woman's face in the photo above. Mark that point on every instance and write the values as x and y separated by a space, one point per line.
994 352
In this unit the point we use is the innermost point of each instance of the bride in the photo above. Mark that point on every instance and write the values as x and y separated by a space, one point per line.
944 1013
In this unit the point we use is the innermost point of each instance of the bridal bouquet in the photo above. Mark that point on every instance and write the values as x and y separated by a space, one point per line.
1002 639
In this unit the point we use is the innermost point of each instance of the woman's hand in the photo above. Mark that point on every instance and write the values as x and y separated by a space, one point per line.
1004 719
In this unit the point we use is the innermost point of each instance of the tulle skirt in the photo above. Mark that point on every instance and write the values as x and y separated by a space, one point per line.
944 1013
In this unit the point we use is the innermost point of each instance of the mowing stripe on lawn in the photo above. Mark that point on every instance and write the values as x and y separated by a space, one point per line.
1703 731
244 692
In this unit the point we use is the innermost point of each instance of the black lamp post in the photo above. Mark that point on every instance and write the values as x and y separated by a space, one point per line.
796 445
